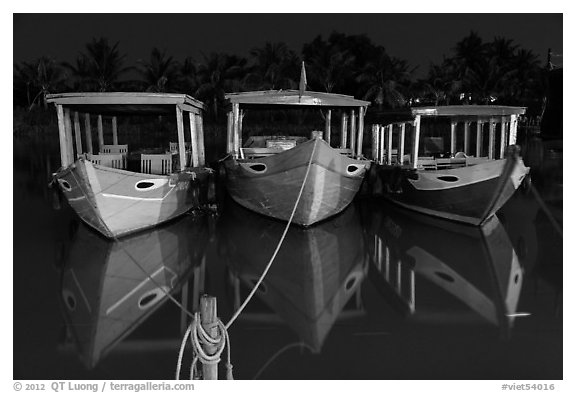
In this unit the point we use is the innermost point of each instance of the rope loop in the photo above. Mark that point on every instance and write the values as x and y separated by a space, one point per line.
200 337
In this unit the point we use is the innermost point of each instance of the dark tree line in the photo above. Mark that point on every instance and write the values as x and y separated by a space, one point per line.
497 72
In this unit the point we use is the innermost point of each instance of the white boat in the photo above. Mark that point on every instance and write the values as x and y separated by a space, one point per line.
266 173
101 189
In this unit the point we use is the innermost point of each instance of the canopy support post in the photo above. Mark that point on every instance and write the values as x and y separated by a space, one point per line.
400 157
64 160
181 147
200 128
479 126
88 131
344 131
77 134
114 131
415 142
100 133
466 137
361 112
328 126
193 139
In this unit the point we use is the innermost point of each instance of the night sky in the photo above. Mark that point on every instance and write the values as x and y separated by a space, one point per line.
417 38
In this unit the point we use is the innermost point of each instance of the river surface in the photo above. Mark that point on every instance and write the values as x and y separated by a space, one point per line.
374 293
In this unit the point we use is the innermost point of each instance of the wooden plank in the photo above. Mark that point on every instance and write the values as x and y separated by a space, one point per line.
64 160
181 146
193 139
502 137
344 131
415 142
381 141
491 135
68 127
88 131
466 137
235 129
353 130
229 136
208 318
479 126
389 130
513 130
201 150
122 99
114 130
453 137
375 144
77 133
361 113
100 131
328 126
402 142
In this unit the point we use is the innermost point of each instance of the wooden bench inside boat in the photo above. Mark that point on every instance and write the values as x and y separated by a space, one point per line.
114 149
432 163
173 147
111 160
157 164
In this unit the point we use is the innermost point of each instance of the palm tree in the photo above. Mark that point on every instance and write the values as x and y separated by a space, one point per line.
81 71
330 68
160 73
100 67
188 75
40 78
384 80
276 67
219 73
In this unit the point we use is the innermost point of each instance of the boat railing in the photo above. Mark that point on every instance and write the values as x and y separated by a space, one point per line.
390 142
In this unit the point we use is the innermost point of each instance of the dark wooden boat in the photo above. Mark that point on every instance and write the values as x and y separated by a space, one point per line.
314 281
266 176
109 288
100 188
458 183
478 266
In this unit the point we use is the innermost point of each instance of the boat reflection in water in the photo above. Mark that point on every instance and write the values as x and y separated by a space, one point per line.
477 266
109 288
314 280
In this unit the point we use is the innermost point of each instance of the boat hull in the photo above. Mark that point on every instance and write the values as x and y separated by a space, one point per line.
272 188
469 195
117 202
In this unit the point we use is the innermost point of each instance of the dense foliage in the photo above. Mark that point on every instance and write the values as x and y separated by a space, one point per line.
497 72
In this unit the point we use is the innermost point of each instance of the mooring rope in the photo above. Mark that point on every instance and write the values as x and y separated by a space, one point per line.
195 330
198 338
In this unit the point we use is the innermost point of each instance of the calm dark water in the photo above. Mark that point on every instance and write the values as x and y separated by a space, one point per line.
375 293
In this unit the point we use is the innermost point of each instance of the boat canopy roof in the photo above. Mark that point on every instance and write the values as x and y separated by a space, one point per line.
293 98
468 110
121 103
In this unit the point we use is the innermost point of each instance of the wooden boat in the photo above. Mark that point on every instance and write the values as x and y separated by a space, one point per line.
478 266
458 183
100 188
314 281
109 288
266 174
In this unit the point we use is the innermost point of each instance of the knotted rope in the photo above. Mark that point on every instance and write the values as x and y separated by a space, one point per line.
199 337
